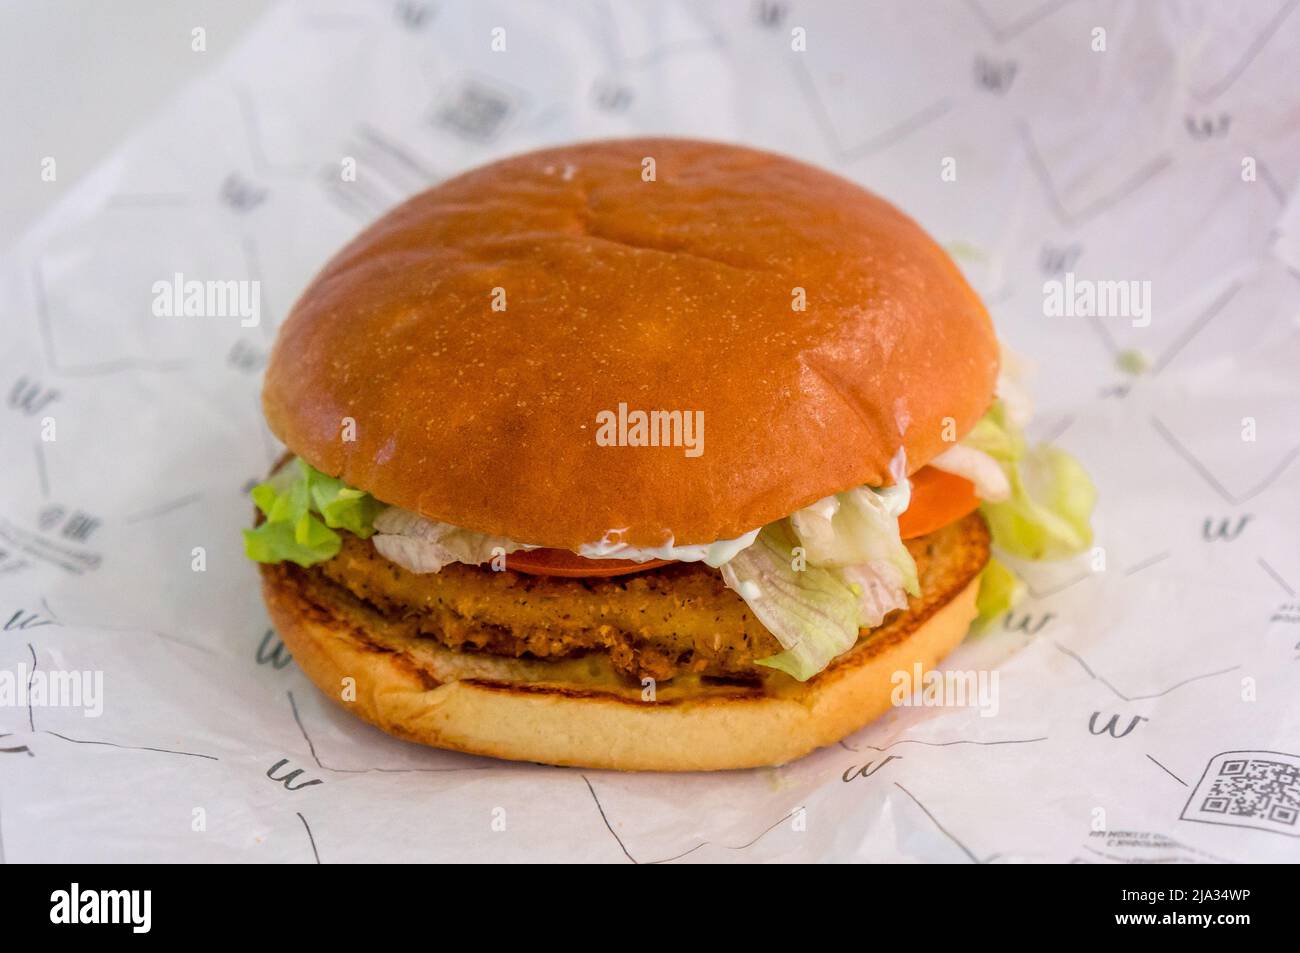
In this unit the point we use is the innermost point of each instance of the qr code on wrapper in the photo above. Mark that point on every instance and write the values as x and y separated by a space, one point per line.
1259 789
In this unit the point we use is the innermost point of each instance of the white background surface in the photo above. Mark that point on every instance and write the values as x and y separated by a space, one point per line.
78 75
1185 639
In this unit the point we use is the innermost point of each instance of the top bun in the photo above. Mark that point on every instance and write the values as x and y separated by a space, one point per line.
663 274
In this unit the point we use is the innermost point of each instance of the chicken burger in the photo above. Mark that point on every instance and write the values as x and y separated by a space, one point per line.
643 454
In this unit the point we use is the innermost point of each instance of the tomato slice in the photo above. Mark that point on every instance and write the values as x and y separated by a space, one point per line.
561 562
938 498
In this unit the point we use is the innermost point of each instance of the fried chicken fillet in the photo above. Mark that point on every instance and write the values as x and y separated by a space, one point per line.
658 624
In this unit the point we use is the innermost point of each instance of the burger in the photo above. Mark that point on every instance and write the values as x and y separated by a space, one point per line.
643 454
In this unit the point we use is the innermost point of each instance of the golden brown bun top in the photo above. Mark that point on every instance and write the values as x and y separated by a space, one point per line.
673 294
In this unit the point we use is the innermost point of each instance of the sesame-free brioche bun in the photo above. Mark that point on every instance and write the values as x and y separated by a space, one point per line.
578 711
816 327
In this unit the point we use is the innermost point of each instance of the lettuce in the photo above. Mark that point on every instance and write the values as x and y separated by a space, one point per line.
857 527
986 473
823 574
341 506
813 613
996 435
1000 589
301 508
423 545
1046 515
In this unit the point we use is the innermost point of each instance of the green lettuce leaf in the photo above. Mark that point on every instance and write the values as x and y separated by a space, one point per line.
422 545
302 507
858 528
341 506
1048 513
995 435
1000 589
818 577
813 613
1047 516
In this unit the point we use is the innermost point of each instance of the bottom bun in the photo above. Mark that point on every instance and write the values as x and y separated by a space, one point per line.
580 712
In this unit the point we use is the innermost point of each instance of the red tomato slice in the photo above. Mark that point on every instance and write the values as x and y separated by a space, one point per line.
938 498
561 562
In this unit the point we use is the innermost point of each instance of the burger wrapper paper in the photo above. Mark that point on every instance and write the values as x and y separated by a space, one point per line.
1141 705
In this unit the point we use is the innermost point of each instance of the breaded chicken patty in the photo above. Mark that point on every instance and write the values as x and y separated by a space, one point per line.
676 619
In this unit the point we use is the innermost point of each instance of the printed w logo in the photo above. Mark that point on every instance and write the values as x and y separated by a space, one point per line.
30 397
1110 726
287 779
275 656
1058 259
26 620
867 770
241 194
1223 531
1027 623
1207 127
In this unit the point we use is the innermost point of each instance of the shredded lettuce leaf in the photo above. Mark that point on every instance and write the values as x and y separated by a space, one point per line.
1048 511
813 613
1047 516
850 571
996 435
302 508
856 527
423 545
